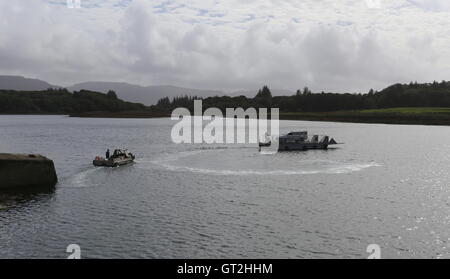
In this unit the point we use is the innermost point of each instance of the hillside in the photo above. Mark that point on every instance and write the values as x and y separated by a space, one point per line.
60 101
412 103
23 84
148 95
398 95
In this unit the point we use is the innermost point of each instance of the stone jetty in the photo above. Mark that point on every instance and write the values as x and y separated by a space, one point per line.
26 170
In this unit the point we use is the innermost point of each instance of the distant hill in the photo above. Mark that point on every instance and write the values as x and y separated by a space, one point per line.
148 95
427 103
22 83
61 101
252 93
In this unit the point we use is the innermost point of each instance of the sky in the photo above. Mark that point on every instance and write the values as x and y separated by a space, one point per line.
327 45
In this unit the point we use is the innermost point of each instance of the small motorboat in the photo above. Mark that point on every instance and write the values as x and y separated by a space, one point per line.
267 142
120 157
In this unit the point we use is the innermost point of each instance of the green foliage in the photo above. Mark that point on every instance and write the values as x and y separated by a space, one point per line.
111 95
433 98
264 93
60 101
264 97
408 110
403 115
398 95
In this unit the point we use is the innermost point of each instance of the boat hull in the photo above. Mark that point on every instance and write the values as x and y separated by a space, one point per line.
113 162
301 146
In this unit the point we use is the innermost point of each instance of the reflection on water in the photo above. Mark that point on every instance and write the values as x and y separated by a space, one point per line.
20 197
197 201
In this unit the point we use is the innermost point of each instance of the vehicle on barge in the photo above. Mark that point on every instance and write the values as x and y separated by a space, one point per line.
295 141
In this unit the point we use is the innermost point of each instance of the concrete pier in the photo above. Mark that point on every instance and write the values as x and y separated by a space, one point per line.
26 170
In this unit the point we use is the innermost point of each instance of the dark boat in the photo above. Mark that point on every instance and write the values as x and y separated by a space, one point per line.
120 157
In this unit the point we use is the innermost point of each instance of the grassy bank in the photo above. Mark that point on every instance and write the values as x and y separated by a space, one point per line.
407 115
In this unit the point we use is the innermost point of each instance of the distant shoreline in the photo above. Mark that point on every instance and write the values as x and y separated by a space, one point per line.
371 121
395 116
400 116
122 114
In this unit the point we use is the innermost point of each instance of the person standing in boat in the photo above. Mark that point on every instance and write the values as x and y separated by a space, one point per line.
107 154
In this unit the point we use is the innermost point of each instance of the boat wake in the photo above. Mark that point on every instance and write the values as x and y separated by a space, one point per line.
81 179
190 162
336 170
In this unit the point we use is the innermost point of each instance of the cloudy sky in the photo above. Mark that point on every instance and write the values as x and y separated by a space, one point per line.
329 45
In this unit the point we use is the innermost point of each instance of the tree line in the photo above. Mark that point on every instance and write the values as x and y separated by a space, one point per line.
436 94
61 101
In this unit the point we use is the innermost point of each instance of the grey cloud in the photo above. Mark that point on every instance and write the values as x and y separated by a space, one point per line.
136 44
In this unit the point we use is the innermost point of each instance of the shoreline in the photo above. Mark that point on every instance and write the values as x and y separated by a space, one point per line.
371 121
364 117
393 116
124 114
386 122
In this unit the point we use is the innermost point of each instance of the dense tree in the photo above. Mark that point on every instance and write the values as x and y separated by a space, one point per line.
398 95
111 95
264 93
60 101
264 97
306 91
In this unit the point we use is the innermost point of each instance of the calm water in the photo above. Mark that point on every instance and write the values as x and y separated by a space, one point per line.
388 185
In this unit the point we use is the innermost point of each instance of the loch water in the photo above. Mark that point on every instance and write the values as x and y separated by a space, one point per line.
387 185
